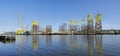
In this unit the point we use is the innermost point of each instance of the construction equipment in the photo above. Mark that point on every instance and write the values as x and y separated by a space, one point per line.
77 22
35 23
83 22
35 27
63 28
70 26
98 24
70 22
21 29
48 29
83 27
76 27
90 27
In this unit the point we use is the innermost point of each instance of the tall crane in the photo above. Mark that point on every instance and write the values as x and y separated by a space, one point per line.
22 29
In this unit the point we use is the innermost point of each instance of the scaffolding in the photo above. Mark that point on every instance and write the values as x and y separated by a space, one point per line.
21 30
63 28
90 27
98 24
70 26
48 29
35 27
83 27
76 27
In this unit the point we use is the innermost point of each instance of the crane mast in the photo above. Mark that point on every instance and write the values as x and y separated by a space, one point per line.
22 29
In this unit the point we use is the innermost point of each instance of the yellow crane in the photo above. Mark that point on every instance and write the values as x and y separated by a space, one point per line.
21 29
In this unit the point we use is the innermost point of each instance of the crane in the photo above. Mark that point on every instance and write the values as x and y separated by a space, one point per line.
21 30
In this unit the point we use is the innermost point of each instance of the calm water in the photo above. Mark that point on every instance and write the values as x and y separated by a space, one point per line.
62 45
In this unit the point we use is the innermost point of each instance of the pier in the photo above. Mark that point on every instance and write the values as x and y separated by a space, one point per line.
7 39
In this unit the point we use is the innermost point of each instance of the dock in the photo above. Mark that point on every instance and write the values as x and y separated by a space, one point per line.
7 39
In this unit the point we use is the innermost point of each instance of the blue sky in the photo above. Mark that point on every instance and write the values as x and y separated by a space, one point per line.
55 12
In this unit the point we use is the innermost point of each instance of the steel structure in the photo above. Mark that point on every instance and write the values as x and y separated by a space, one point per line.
63 28
35 27
84 27
70 26
21 29
98 24
76 27
90 27
48 29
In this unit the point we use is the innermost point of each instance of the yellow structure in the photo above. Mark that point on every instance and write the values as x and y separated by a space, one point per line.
35 23
20 31
70 22
35 27
77 22
98 24
90 18
98 17
83 22
35 42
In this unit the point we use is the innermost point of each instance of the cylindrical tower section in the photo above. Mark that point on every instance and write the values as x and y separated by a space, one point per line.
83 27
35 27
48 29
75 27
78 26
70 26
63 28
90 27
98 24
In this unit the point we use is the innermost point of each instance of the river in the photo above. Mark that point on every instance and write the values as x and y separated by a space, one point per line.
61 45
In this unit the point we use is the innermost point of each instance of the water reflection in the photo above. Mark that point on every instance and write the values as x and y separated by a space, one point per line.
84 41
20 40
48 39
7 41
63 40
74 44
98 39
71 45
90 39
35 41
87 43
73 41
